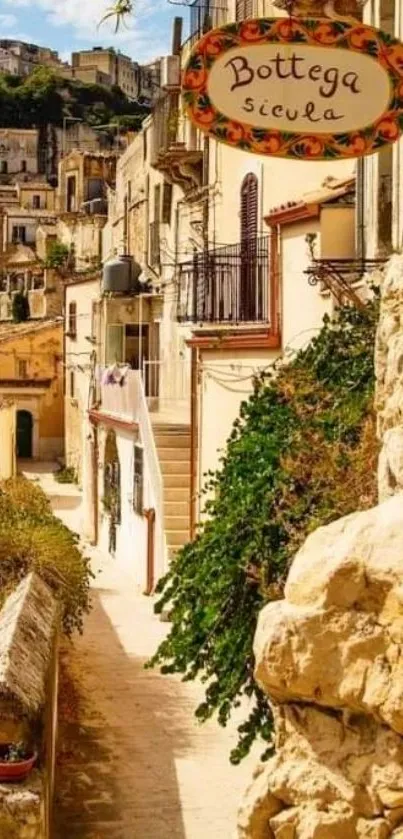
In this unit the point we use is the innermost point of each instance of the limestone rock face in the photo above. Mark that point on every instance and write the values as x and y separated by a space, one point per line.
389 376
337 638
330 655
327 779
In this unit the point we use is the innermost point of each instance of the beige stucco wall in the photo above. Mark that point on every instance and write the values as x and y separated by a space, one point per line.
18 145
337 226
7 437
303 306
84 235
46 195
280 181
78 361
42 350
225 382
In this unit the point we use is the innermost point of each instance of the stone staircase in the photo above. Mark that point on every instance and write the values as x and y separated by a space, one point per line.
173 448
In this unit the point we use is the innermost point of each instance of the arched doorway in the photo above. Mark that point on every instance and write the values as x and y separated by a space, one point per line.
24 434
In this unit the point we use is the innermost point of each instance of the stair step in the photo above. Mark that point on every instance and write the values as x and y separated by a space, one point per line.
176 482
174 467
177 538
176 495
172 441
165 453
176 523
177 508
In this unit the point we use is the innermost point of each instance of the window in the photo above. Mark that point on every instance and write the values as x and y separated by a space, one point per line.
129 192
22 366
19 234
37 281
249 208
23 165
72 331
36 202
250 279
114 343
138 480
157 202
166 203
4 167
71 194
72 384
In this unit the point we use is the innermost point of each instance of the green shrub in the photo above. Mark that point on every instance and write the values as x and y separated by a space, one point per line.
58 255
33 539
302 453
66 475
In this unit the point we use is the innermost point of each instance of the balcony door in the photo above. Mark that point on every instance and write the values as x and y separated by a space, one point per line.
249 291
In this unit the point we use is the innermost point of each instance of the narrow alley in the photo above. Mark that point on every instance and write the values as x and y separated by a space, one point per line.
140 766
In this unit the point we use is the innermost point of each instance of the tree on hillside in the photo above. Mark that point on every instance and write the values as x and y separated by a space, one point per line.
44 98
302 453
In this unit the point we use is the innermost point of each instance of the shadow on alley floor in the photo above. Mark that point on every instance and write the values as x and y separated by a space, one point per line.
116 774
133 761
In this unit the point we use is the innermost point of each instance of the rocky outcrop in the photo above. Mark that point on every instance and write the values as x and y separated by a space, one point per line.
389 373
330 655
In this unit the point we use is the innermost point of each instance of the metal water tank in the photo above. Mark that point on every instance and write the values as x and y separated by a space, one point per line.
116 275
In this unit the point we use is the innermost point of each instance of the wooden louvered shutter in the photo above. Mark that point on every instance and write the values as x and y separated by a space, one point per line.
249 233
249 208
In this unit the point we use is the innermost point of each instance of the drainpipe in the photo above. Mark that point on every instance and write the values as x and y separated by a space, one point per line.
150 518
95 455
193 438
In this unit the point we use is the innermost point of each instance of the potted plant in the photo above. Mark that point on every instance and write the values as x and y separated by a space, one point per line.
16 761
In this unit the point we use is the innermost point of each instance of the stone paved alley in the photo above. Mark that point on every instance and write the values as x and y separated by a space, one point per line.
141 767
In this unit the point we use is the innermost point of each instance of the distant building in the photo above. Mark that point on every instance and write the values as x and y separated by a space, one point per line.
20 58
32 378
119 68
18 152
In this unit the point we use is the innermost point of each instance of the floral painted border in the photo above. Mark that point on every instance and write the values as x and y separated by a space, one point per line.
388 51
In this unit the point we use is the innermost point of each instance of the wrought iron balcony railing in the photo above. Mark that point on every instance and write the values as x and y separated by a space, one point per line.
205 15
342 276
230 285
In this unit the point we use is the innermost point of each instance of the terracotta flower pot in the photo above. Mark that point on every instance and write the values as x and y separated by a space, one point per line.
15 771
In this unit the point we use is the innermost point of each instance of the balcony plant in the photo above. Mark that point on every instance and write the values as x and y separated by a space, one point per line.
16 762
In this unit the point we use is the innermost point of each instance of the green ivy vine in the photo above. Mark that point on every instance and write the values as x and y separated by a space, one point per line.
302 453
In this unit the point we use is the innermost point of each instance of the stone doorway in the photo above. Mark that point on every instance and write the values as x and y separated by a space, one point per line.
24 434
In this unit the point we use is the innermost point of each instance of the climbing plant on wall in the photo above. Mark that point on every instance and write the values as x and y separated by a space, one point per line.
301 454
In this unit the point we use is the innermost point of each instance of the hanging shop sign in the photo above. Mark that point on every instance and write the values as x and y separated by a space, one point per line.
314 89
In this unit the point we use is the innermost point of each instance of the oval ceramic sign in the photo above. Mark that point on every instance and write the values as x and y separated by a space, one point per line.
310 89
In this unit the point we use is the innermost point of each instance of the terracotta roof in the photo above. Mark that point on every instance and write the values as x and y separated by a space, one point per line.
331 188
310 202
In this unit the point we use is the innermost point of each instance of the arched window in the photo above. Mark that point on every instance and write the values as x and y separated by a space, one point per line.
249 207
72 320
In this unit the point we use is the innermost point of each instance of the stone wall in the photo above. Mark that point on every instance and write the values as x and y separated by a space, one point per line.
28 697
389 369
329 656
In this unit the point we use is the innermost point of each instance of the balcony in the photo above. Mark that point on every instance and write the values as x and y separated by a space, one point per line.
205 15
342 277
120 400
180 161
231 285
